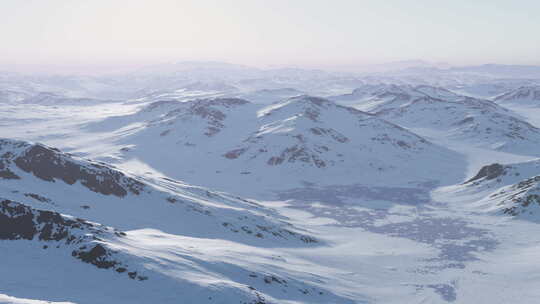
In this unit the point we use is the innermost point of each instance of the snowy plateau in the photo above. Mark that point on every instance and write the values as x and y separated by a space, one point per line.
219 183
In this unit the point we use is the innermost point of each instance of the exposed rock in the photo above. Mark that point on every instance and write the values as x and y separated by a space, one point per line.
210 110
38 197
489 172
20 222
97 256
50 164
233 154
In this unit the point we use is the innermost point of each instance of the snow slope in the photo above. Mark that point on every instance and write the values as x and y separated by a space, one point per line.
522 96
343 204
177 241
371 97
53 99
47 178
268 96
512 190
478 122
142 266
302 140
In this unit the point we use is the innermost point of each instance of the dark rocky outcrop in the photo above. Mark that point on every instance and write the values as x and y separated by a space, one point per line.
98 256
489 172
519 198
38 197
5 172
233 154
50 164
20 222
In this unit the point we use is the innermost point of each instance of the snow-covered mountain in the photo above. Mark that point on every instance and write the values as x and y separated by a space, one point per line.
12 96
64 255
53 99
501 70
377 97
376 194
47 178
166 267
184 90
489 88
373 97
285 145
268 96
439 112
85 241
169 267
522 96
310 132
511 190
170 240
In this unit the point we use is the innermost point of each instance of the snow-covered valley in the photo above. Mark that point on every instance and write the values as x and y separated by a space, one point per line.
236 185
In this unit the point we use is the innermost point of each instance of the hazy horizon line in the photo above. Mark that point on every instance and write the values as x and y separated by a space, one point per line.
115 68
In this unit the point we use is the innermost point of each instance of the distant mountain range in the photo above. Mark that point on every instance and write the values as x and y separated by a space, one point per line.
476 121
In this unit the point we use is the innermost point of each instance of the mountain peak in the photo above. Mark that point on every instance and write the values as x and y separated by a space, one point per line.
525 95
311 100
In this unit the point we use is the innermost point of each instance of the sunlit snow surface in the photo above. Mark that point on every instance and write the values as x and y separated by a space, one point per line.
416 235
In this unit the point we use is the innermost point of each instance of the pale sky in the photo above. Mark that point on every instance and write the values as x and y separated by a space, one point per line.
269 32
